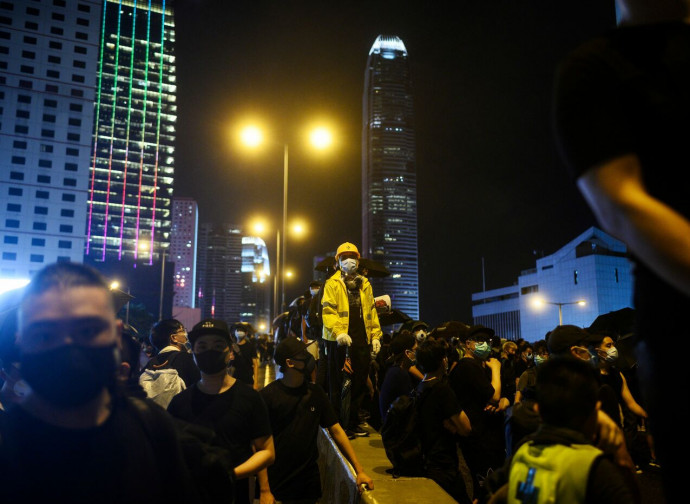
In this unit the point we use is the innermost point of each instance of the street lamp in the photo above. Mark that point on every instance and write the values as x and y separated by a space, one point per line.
143 247
298 228
320 138
539 302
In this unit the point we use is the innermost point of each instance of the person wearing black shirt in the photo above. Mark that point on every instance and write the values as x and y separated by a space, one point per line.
73 437
231 408
297 408
245 356
441 418
169 338
621 113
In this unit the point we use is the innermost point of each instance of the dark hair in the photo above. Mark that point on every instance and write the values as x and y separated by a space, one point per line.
65 275
567 391
131 348
430 355
539 347
161 331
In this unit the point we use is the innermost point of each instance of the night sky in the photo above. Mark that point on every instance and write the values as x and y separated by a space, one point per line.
490 182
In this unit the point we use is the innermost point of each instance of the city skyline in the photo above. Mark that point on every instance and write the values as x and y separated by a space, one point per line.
491 185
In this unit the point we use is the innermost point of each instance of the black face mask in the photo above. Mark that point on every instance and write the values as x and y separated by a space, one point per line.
211 361
309 365
70 375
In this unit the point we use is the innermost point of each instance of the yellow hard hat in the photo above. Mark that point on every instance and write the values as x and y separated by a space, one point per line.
347 247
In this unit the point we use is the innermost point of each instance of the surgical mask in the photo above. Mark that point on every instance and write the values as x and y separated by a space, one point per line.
71 375
314 292
240 335
611 355
420 335
349 265
482 350
529 357
539 360
211 361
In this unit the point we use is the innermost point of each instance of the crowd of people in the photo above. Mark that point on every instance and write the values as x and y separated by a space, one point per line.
91 412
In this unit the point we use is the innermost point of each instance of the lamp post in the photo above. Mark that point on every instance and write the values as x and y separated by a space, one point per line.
252 136
538 302
143 247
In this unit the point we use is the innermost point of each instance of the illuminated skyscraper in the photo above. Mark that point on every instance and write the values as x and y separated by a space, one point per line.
131 173
48 62
219 271
389 173
183 249
255 307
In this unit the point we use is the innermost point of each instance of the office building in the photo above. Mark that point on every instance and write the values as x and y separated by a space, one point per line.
588 277
255 305
183 250
389 173
48 67
132 160
219 269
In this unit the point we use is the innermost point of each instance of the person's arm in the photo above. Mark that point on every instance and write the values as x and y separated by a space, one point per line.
265 495
330 317
459 424
264 455
416 372
495 402
340 438
657 234
630 401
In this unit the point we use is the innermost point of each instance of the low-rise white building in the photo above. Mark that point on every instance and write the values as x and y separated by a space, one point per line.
589 276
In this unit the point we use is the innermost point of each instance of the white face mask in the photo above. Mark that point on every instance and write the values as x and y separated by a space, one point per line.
313 292
240 335
349 265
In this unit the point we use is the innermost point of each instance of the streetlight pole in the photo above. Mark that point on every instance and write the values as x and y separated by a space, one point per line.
285 197
160 304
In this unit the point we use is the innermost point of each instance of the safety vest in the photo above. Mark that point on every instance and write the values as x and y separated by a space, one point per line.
541 474
336 309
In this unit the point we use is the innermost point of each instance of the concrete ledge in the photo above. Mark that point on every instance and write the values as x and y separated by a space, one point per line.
338 480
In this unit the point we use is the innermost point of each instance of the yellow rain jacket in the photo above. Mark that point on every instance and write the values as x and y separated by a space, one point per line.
336 308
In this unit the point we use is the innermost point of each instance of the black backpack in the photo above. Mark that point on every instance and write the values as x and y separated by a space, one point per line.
400 435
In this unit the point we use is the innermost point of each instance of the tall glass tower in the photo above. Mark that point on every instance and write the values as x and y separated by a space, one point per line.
131 173
389 173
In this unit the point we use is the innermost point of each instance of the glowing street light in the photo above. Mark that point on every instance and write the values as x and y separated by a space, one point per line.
539 303
320 138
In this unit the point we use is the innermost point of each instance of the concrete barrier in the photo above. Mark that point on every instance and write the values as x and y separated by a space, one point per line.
339 483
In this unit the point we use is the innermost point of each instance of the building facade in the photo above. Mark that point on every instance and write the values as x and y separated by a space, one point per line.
219 270
130 186
588 277
48 66
389 173
255 305
183 250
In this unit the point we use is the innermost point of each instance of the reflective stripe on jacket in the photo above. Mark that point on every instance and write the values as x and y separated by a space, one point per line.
336 309
551 473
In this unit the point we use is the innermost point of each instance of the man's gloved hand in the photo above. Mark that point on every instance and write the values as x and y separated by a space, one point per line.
343 339
376 346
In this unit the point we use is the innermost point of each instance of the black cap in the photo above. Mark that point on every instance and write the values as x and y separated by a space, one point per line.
288 348
209 326
477 330
563 337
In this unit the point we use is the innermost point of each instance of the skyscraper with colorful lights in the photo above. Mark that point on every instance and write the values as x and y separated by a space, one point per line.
389 173
132 164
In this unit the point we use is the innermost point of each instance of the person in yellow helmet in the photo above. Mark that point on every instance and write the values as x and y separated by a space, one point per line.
349 320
